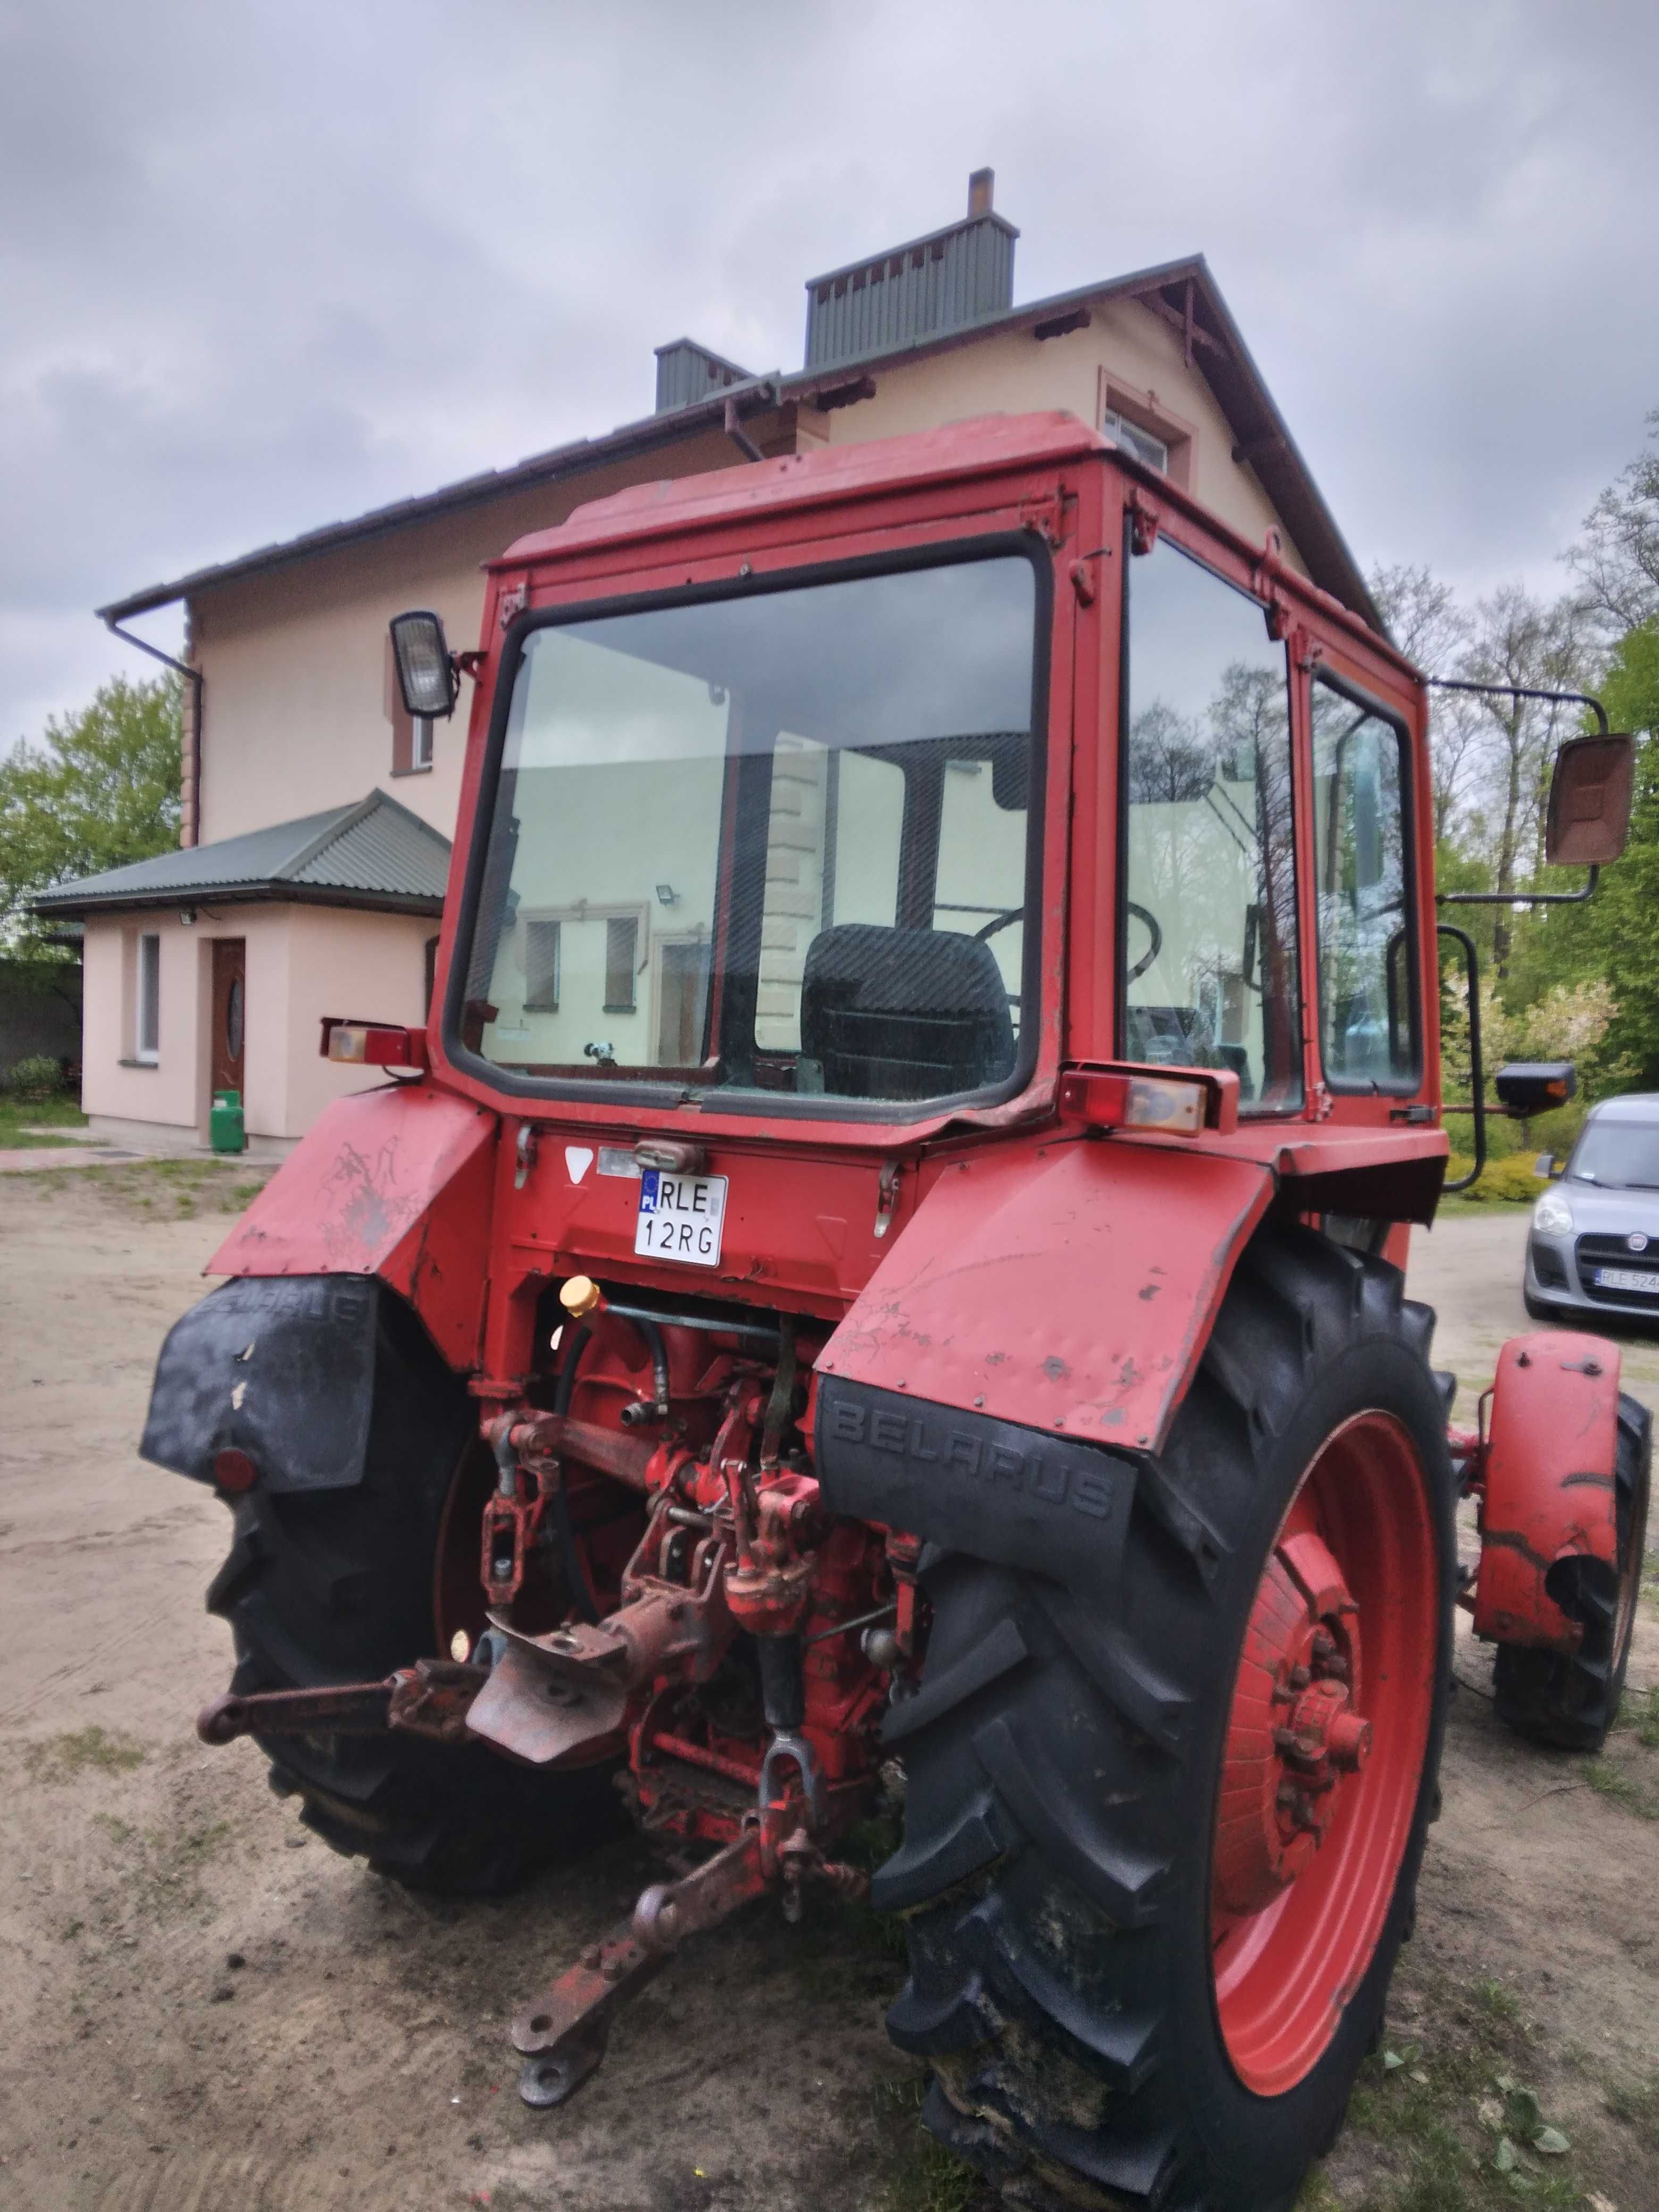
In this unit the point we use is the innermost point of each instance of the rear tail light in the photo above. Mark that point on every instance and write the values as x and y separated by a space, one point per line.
372 1044
1182 1101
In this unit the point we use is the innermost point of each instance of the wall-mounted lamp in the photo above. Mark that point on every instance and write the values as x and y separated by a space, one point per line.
187 917
668 895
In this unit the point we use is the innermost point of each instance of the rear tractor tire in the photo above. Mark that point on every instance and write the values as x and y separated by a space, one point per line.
1569 1700
339 1586
1158 1866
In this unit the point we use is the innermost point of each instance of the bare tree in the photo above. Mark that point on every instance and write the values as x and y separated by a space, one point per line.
1538 645
1432 631
1618 557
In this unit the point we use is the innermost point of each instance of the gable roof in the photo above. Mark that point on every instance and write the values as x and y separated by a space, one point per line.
1183 293
374 853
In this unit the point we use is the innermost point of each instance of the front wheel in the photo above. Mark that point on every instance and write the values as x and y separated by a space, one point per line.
1158 1866
1569 1700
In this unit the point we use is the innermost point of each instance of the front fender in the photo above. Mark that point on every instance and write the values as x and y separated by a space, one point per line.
395 1183
1067 1286
1549 1484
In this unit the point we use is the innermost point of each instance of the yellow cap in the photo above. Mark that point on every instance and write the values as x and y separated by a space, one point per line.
579 1296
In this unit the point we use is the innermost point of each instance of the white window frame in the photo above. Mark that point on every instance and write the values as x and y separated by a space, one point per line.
1147 447
421 732
147 1002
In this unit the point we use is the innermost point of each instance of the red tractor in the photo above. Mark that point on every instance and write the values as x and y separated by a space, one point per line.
883 1274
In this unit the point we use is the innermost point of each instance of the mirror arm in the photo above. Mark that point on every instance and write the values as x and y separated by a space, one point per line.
1521 691
1477 1072
1520 898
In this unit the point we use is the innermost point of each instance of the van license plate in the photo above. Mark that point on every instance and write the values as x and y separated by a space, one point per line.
681 1217
1626 1278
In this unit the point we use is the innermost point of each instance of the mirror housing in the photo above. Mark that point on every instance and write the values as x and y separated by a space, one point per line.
427 675
1590 792
1526 1087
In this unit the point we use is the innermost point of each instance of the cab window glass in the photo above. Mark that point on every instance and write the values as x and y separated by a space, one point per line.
1209 957
1366 1025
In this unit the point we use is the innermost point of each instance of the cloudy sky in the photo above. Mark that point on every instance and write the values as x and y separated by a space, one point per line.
266 263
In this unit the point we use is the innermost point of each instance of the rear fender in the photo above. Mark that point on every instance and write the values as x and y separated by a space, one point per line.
1550 1495
1069 1286
395 1183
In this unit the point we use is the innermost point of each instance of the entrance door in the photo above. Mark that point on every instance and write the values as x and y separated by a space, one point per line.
229 1011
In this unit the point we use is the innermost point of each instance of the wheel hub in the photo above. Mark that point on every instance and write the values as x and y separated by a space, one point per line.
1294 1735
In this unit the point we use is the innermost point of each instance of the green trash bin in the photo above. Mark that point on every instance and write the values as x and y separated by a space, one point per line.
225 1131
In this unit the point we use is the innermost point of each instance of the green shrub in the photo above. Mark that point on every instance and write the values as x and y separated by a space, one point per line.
37 1077
1510 1181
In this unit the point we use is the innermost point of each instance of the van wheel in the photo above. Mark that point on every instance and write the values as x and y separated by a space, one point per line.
339 1586
1569 1700
1157 1868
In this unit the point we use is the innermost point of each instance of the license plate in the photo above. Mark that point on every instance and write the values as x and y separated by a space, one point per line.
1626 1278
681 1217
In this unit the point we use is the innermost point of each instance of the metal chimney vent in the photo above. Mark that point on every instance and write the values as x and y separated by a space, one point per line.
687 372
920 290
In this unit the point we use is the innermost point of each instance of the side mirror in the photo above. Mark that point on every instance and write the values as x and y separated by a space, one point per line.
426 671
1590 794
1526 1087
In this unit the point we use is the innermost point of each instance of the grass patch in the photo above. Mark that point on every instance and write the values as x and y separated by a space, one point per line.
167 1189
1640 1715
1453 2118
1637 2108
18 1115
922 2176
1609 1779
107 1750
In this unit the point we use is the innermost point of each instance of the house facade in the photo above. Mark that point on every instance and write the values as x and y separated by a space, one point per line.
317 815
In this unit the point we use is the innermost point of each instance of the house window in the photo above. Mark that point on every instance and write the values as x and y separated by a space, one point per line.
622 943
1153 452
420 741
541 955
147 1007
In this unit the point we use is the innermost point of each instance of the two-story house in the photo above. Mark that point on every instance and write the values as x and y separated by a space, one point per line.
317 815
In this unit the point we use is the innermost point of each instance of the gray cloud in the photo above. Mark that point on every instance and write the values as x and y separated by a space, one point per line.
265 266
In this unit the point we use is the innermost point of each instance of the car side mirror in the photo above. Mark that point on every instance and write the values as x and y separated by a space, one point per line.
1548 1169
427 675
1588 820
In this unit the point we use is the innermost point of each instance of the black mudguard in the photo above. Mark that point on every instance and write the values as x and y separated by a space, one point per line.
281 1368
995 1489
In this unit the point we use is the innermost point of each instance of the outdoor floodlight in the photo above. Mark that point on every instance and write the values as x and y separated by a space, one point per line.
425 674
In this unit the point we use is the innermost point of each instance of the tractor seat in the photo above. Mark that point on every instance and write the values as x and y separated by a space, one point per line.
905 1013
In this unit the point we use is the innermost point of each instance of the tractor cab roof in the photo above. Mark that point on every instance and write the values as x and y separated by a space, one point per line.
985 445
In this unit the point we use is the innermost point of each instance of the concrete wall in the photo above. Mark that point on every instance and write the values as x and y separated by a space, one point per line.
302 962
294 663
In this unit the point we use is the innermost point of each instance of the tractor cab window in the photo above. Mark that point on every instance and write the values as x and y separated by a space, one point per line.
775 842
1365 1004
1208 960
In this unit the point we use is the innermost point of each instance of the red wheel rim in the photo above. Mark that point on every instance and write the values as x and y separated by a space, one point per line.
1324 1755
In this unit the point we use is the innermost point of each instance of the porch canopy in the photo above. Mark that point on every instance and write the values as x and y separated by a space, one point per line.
375 854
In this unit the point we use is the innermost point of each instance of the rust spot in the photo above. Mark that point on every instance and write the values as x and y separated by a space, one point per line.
1150 1290
1055 1369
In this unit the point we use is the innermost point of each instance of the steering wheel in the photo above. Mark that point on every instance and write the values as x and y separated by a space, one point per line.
1152 950
1000 922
